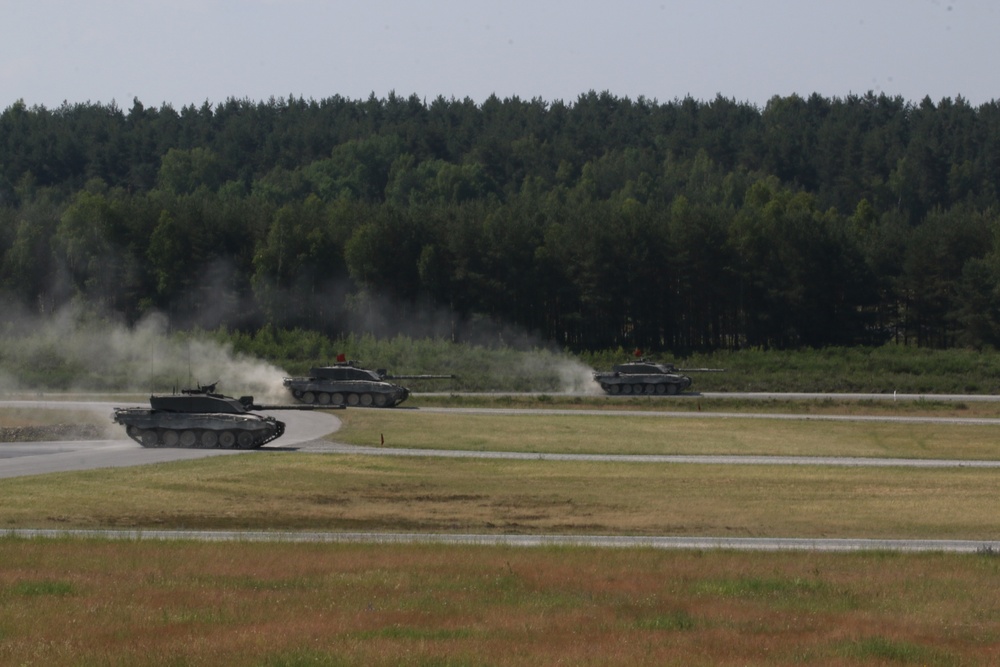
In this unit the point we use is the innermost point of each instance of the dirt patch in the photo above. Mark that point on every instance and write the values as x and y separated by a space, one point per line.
52 432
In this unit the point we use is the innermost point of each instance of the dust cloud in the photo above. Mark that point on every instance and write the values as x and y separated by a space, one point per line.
572 376
73 351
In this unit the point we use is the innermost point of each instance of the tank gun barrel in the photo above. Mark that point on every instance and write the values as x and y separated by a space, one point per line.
702 370
419 377
337 406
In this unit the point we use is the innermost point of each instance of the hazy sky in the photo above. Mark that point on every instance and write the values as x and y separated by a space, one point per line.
191 51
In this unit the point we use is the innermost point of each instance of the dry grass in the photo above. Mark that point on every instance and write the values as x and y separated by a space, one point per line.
652 434
297 491
141 603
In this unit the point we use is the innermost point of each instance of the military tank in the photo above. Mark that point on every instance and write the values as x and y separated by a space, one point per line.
201 418
347 382
643 376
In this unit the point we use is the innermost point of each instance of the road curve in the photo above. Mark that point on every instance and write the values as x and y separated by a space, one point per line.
39 458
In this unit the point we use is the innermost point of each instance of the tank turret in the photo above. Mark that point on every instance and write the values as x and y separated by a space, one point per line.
644 376
201 418
347 382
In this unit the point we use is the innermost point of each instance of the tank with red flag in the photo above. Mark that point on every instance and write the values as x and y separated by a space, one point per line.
348 383
644 376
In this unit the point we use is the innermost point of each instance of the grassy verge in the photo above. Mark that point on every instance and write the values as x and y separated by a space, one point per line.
29 424
140 603
20 417
294 491
653 433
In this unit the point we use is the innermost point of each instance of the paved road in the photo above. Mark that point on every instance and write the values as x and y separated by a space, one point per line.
745 395
982 421
604 541
722 459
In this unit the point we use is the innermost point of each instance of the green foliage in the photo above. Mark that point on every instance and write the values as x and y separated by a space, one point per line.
184 171
884 649
42 588
604 223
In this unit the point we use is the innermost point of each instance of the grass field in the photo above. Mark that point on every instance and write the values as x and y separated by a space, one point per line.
278 491
73 602
654 433
65 602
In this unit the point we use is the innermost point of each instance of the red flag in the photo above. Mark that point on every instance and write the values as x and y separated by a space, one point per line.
638 352
341 357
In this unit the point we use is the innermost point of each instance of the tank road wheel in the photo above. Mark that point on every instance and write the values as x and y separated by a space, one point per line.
188 439
671 389
309 397
381 400
337 398
149 438
244 440
133 432
169 437
227 439
626 389
209 439
366 400
650 389
637 389
323 398
613 388
661 389
352 399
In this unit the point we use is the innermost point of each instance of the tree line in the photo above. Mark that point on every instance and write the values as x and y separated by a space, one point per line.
604 222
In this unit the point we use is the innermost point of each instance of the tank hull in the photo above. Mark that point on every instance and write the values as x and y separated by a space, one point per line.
322 391
647 383
159 428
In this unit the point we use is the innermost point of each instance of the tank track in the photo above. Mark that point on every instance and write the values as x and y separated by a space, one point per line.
367 399
168 437
640 388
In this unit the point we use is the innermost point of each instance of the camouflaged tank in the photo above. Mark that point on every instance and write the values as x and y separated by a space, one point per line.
643 377
347 383
201 418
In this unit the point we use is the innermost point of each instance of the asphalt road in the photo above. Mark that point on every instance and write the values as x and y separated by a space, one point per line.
745 395
605 541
